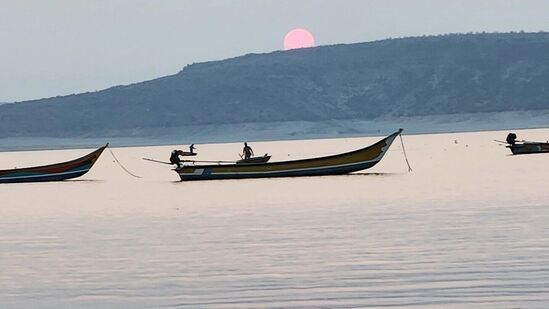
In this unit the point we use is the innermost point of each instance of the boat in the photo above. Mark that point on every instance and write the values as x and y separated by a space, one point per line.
525 147
528 147
338 164
53 172
264 159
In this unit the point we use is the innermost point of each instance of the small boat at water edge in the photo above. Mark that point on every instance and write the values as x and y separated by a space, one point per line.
344 163
53 172
263 159
525 147
528 147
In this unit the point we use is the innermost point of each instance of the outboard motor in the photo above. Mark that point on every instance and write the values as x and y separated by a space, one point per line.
174 157
511 138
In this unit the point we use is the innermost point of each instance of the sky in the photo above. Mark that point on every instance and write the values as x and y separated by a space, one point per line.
58 47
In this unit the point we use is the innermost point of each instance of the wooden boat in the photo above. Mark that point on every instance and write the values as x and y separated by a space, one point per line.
525 147
263 159
187 153
331 165
53 172
528 147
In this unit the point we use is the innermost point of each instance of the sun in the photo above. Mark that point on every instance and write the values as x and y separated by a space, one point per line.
298 38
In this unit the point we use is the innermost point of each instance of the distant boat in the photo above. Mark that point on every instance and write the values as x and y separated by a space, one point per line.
263 159
53 172
331 165
525 147
528 147
187 153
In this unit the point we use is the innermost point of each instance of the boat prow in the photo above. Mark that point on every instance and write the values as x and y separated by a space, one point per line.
344 163
53 172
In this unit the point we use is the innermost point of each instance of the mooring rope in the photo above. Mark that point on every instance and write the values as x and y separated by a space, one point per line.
404 151
122 166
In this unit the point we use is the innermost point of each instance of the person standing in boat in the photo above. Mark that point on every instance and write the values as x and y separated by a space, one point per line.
192 148
248 152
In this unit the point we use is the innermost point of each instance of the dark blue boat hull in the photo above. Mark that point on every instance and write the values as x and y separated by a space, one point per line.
53 172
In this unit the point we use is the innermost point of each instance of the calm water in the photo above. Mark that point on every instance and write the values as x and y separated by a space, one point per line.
372 240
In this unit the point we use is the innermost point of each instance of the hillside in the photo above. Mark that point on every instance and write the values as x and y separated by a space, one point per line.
421 76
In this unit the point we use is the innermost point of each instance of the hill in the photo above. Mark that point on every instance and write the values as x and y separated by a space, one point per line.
394 78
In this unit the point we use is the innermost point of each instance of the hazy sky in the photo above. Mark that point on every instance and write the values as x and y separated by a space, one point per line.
58 47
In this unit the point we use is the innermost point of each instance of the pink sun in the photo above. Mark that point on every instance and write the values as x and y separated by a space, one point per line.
298 38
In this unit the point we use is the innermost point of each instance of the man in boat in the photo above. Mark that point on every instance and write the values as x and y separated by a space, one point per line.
511 138
192 148
248 152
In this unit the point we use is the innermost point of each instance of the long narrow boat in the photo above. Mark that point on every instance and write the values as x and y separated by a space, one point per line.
525 147
528 147
263 159
53 172
331 165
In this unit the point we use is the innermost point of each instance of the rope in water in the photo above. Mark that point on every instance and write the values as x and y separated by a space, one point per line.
122 166
404 151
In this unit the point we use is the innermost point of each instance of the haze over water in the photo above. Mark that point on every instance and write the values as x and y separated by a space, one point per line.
468 228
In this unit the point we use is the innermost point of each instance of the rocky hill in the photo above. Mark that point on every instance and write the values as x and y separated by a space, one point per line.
420 76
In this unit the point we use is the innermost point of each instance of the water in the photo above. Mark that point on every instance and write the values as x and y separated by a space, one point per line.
434 238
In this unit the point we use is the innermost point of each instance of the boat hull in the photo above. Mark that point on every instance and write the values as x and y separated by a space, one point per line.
53 172
528 148
331 165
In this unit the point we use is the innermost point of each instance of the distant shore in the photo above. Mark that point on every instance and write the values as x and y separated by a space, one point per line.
294 130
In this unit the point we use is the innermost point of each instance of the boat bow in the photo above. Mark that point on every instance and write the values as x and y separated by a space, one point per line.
53 172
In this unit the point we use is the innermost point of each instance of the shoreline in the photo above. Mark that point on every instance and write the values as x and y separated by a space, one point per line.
287 131
128 142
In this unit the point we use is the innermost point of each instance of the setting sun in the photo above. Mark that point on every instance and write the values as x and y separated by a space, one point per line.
298 38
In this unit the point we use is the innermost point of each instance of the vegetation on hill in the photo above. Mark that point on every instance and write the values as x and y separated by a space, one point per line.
440 75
